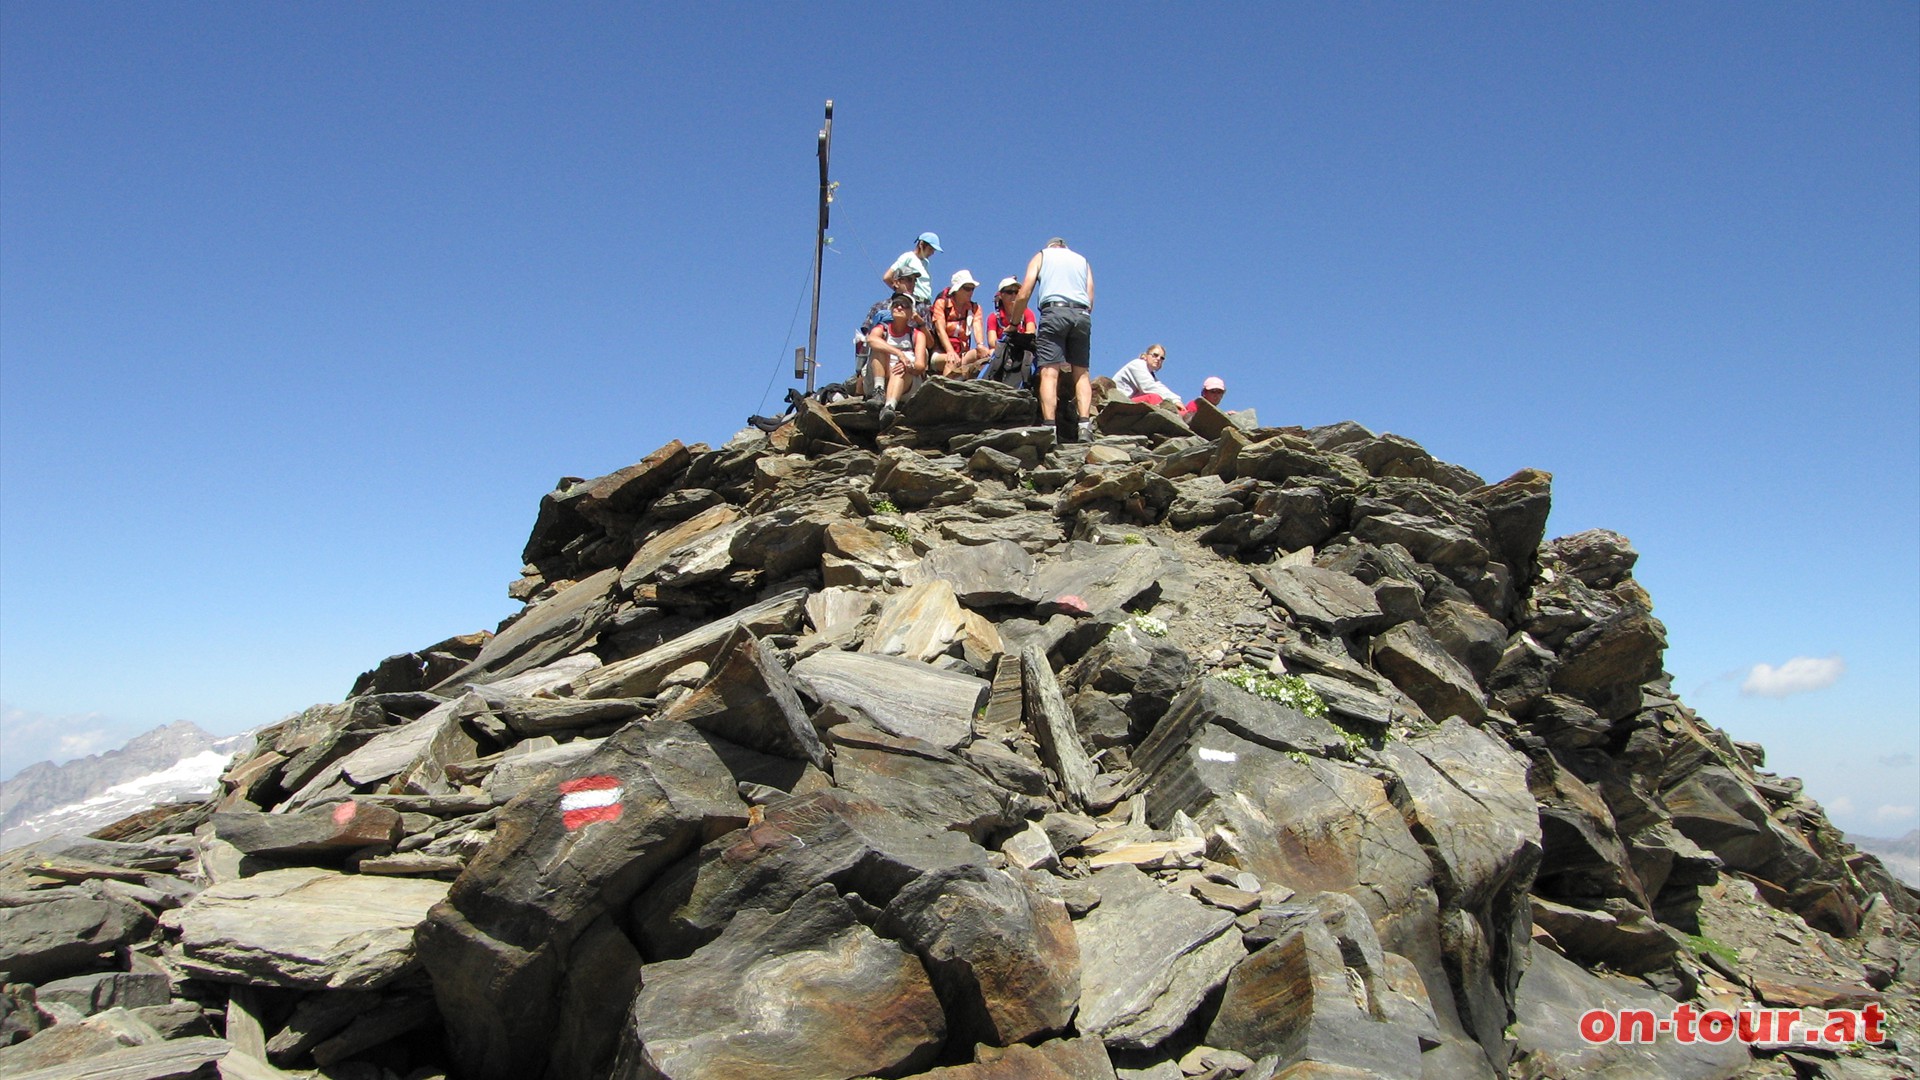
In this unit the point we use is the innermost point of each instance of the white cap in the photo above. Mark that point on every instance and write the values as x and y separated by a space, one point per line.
962 278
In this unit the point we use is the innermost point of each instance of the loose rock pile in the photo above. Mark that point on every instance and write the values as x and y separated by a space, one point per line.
946 751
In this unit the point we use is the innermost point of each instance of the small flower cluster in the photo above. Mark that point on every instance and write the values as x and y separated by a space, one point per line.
1149 625
1289 690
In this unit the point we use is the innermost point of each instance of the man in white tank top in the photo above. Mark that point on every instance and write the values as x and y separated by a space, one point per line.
1060 282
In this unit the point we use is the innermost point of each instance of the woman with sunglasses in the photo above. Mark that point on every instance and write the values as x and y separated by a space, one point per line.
1012 346
956 330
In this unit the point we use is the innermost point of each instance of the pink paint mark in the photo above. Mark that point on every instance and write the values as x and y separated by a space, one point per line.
1068 603
589 799
345 812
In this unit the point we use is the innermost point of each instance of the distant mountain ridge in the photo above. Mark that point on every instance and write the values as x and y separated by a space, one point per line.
176 761
1902 856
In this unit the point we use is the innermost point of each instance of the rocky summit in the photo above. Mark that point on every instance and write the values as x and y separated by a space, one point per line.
1203 749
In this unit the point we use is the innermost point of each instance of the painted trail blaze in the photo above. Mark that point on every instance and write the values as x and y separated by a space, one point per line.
589 799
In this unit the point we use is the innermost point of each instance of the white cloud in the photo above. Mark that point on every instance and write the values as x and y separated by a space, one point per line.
1839 806
82 743
27 736
1886 814
1797 676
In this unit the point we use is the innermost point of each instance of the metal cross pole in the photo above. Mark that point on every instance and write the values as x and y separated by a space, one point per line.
819 247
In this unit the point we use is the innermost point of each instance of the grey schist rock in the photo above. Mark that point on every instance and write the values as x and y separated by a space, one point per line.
1084 1058
545 631
1001 951
1335 602
1053 728
501 949
304 928
1464 794
1104 577
749 699
1553 995
642 675
340 827
1299 821
912 482
687 552
923 783
809 991
176 1059
1213 701
797 843
1425 672
920 623
1317 993
1148 956
709 865
905 697
102 990
996 573
66 932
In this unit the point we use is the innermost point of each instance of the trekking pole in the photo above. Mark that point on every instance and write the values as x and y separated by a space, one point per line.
812 360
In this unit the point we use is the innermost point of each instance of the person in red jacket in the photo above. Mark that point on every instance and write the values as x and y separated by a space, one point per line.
1213 390
1011 345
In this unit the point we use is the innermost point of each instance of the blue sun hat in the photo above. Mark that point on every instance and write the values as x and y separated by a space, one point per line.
932 240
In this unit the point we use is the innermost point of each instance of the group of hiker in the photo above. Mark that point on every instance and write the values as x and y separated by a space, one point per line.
915 333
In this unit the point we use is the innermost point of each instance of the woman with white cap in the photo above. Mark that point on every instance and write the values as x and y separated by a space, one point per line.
958 340
1010 344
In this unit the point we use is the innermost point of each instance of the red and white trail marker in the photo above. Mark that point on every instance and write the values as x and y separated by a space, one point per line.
589 799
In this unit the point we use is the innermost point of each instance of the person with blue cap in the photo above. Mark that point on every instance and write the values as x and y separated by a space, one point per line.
916 260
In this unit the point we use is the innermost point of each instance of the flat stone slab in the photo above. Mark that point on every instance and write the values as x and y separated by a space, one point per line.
640 676
545 631
1148 956
901 696
1296 821
154 1061
982 575
922 783
1329 599
1103 576
304 928
64 934
1084 1058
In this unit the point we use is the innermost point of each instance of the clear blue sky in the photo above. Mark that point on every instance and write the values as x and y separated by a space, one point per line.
302 307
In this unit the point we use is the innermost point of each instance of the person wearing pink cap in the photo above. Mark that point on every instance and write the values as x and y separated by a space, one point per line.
1213 390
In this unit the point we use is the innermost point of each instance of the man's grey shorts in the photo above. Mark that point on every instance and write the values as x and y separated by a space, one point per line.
1065 337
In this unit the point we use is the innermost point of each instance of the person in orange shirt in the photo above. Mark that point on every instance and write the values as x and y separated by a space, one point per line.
958 340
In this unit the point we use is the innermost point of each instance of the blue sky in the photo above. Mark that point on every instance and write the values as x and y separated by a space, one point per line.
302 307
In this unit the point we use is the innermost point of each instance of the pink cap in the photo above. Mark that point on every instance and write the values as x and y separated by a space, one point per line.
1213 383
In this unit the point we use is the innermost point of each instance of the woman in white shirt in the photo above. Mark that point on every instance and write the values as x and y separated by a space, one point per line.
1140 381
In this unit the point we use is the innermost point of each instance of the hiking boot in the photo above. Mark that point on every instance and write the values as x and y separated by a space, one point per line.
886 415
1086 431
